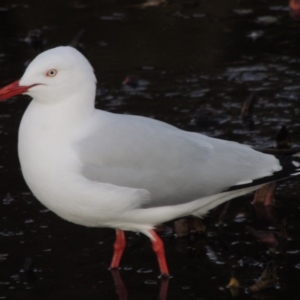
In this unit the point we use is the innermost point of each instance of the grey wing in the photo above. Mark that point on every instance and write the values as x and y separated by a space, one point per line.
175 166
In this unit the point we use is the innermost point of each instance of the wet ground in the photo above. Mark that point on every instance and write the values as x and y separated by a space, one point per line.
193 64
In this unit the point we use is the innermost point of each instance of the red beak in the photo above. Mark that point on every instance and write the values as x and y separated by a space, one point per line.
13 89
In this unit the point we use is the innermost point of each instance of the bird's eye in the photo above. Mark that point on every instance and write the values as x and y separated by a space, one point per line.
51 73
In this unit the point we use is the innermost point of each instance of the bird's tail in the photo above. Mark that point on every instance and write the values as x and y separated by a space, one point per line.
290 167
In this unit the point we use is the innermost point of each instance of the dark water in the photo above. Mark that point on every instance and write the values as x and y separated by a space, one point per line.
196 62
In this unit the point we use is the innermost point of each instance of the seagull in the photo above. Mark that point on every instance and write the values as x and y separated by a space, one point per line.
126 172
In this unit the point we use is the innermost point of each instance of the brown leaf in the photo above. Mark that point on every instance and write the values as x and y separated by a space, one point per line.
268 279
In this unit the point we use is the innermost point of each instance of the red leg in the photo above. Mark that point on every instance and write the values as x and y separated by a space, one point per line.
119 247
159 249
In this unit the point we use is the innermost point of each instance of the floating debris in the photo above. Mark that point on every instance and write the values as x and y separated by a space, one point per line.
266 20
6 233
150 3
240 217
254 35
151 282
3 256
8 199
212 255
144 271
280 7
293 251
186 287
29 221
113 17
103 43
243 12
198 93
247 73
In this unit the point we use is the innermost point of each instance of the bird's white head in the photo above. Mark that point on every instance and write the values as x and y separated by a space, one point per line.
55 75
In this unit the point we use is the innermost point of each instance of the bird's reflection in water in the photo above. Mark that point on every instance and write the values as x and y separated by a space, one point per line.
121 289
294 6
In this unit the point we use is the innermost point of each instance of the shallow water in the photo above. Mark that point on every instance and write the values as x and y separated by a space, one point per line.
195 64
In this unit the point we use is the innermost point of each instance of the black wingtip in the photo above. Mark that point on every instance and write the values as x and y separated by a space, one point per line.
290 169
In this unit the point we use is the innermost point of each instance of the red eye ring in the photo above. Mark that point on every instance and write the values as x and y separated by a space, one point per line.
51 73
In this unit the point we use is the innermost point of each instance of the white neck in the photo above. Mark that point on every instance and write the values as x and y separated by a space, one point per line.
59 116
